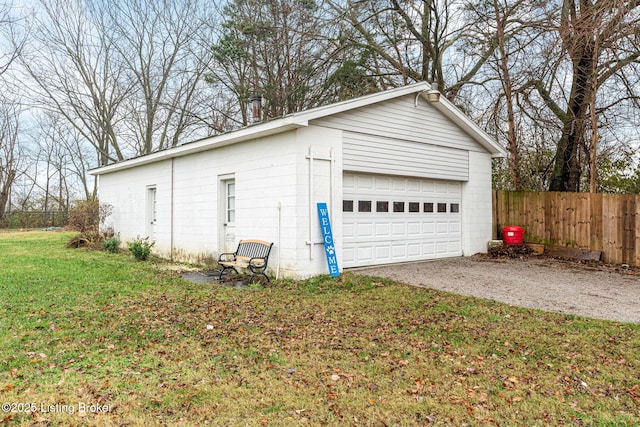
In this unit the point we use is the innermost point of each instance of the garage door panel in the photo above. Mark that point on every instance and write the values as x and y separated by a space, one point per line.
365 253
428 186
383 229
442 187
428 227
442 248
414 186
348 182
383 252
442 227
364 230
348 231
349 255
414 249
398 251
364 182
398 184
414 229
382 183
398 229
409 219
429 249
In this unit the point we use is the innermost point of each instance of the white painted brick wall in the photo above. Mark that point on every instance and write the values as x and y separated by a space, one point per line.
271 178
476 204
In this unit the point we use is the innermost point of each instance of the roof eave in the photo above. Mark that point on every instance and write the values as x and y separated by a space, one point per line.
255 131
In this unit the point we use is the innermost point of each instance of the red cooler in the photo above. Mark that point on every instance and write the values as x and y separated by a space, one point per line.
512 235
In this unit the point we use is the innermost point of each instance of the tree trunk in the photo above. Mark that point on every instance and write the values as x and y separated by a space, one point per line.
5 192
567 168
507 87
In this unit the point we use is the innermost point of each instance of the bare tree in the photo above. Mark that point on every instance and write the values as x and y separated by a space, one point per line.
71 62
600 41
125 75
11 155
12 37
63 159
158 44
515 25
416 41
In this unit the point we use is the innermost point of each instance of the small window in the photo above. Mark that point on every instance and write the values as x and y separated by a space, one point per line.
398 206
231 201
442 207
454 208
428 207
364 206
414 207
347 206
382 206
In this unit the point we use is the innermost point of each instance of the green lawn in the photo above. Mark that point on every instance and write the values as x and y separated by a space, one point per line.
133 344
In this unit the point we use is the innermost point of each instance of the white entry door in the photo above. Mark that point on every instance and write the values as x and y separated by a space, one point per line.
229 224
389 219
152 212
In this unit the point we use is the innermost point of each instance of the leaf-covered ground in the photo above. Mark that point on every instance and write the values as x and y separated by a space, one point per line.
133 344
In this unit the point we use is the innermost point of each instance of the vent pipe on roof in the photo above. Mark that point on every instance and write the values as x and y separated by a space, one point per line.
256 109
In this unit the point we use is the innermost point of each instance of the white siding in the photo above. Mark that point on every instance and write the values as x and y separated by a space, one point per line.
376 154
401 119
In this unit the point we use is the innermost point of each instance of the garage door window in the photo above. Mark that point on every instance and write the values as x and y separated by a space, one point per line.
442 207
414 207
398 206
382 206
364 206
347 206
454 207
428 207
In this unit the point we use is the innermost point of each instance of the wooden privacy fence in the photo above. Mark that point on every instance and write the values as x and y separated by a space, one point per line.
600 222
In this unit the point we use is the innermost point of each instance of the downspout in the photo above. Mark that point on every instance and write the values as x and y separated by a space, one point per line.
279 239
310 241
171 213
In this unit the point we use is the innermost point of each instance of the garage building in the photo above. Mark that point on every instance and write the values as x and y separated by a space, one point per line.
405 174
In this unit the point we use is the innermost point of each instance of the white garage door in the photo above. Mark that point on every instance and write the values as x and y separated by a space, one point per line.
391 219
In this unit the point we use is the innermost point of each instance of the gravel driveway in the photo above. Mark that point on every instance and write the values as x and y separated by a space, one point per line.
591 290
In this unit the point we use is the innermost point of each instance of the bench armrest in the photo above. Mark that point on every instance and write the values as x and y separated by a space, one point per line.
258 262
227 256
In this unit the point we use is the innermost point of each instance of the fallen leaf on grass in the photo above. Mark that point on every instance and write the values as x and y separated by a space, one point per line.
419 387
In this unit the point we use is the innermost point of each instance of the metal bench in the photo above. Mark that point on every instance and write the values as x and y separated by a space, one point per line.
250 254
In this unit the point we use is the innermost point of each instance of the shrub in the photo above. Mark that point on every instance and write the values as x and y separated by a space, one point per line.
141 248
88 215
112 244
84 216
